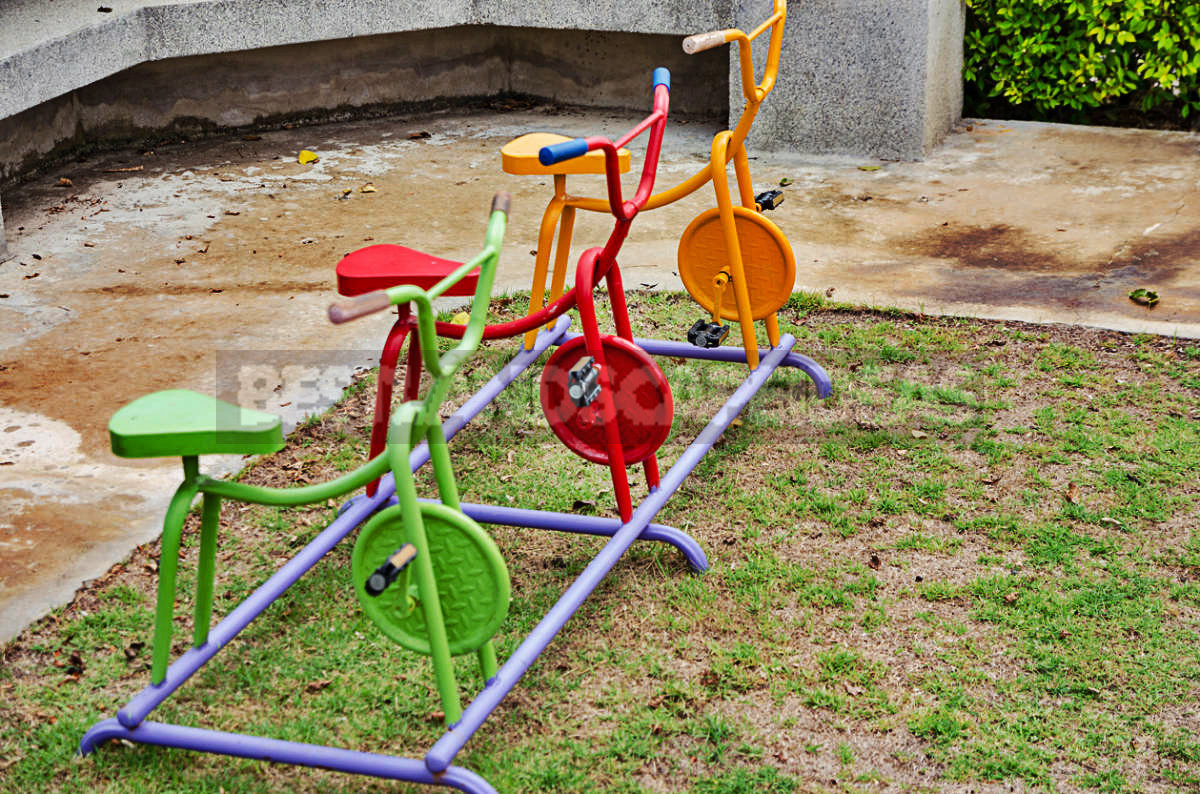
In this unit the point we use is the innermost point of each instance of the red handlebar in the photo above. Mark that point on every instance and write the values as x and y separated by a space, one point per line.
597 263
657 123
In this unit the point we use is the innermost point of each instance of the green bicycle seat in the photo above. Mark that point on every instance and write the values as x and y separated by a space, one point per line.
179 422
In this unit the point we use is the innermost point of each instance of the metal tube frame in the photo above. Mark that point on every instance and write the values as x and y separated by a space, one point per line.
436 768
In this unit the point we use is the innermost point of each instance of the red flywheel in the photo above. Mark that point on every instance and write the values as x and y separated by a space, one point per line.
641 395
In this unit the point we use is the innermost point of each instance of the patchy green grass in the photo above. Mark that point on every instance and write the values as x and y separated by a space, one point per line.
975 567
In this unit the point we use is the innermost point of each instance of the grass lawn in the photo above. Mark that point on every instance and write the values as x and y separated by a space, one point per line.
975 568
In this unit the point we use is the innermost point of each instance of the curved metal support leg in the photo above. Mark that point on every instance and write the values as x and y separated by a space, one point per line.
100 733
813 370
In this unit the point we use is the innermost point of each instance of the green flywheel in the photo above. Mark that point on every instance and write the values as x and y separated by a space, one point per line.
472 579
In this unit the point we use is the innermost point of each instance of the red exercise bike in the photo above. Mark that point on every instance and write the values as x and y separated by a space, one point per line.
603 395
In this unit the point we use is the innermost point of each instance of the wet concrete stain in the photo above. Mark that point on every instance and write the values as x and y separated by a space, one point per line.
1002 247
1000 261
43 537
999 246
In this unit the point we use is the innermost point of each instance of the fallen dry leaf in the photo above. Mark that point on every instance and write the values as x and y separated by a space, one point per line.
64 182
1011 597
875 563
1072 494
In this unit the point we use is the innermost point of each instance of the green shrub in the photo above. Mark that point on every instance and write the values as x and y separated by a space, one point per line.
1064 58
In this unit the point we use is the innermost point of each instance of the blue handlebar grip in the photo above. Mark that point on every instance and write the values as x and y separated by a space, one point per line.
662 76
557 152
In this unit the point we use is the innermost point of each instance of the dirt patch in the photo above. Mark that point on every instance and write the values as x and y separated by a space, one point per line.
257 288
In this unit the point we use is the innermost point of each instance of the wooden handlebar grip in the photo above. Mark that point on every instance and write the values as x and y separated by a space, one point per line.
501 201
703 41
345 311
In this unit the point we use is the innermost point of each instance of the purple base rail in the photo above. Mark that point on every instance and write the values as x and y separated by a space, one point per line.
584 525
436 769
737 355
261 748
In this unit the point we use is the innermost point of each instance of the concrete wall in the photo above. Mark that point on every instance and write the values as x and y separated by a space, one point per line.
877 78
390 73
50 47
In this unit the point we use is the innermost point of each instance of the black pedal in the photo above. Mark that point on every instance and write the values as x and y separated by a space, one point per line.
769 199
387 573
706 334
583 382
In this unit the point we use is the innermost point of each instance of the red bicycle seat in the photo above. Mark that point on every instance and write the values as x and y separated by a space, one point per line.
382 266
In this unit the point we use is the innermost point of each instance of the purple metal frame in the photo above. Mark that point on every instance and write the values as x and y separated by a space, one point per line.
436 768
584 525
733 355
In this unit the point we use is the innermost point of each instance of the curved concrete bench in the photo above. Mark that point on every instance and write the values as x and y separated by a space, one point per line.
867 77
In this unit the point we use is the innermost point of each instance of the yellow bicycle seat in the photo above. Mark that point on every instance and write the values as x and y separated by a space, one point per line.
520 156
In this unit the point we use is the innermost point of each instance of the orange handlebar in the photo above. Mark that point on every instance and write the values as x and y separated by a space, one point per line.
705 41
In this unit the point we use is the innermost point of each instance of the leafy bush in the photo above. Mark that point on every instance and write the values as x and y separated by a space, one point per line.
1064 58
